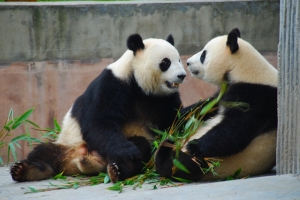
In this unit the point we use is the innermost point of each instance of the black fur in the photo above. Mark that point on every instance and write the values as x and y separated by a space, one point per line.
45 158
135 43
170 39
104 108
232 40
237 129
260 117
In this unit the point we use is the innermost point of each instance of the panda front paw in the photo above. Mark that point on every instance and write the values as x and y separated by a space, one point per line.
113 172
127 153
194 149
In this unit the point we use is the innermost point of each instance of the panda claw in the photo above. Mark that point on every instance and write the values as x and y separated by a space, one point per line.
17 171
113 172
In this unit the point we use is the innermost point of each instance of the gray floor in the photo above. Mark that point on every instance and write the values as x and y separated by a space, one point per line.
267 187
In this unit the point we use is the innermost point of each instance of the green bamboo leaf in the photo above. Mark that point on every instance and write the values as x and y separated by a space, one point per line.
60 176
56 125
155 143
76 185
7 128
25 137
208 107
32 189
158 131
237 173
32 123
180 166
20 119
12 150
10 114
117 187
17 144
20 137
223 90
106 179
189 122
182 179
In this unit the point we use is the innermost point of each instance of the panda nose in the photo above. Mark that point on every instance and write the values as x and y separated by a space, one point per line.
182 76
188 63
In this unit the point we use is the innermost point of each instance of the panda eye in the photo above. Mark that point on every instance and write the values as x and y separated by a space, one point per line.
203 55
165 64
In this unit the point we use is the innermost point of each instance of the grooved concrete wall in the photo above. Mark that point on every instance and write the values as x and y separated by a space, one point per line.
72 31
50 52
288 141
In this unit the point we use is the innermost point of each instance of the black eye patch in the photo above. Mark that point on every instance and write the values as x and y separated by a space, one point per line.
203 55
165 64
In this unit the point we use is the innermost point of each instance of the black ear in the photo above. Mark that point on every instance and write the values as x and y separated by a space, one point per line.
232 40
170 39
135 43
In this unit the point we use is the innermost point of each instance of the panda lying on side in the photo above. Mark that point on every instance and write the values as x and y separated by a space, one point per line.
108 126
244 140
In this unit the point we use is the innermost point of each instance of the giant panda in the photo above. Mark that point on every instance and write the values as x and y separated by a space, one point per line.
242 138
109 127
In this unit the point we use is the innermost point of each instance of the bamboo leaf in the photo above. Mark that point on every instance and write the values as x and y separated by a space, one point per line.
208 106
60 176
20 137
106 179
180 166
237 173
158 131
12 149
76 185
32 123
32 189
56 125
182 179
17 144
20 119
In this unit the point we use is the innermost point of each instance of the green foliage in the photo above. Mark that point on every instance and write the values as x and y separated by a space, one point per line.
234 176
12 123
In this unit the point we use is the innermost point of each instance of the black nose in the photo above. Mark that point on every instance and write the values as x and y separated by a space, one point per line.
188 63
182 76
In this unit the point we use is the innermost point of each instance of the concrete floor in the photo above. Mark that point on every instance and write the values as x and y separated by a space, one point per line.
266 187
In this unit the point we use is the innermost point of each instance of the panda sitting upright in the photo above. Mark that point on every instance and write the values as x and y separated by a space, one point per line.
241 138
109 125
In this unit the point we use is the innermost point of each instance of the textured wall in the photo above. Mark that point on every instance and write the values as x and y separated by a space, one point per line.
288 142
72 31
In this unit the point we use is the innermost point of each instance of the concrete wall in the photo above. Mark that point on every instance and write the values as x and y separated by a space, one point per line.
72 31
50 52
288 142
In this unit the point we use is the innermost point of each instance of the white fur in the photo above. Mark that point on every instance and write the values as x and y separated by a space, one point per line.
145 67
246 65
70 134
251 160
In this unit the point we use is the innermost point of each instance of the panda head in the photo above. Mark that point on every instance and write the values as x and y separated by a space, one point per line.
156 65
229 58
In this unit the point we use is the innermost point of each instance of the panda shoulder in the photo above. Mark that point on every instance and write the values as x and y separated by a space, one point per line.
122 68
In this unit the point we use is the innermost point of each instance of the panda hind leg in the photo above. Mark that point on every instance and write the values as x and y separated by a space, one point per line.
119 171
163 161
43 162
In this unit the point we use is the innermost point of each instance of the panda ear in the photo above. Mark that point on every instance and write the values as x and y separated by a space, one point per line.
232 40
170 39
135 43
